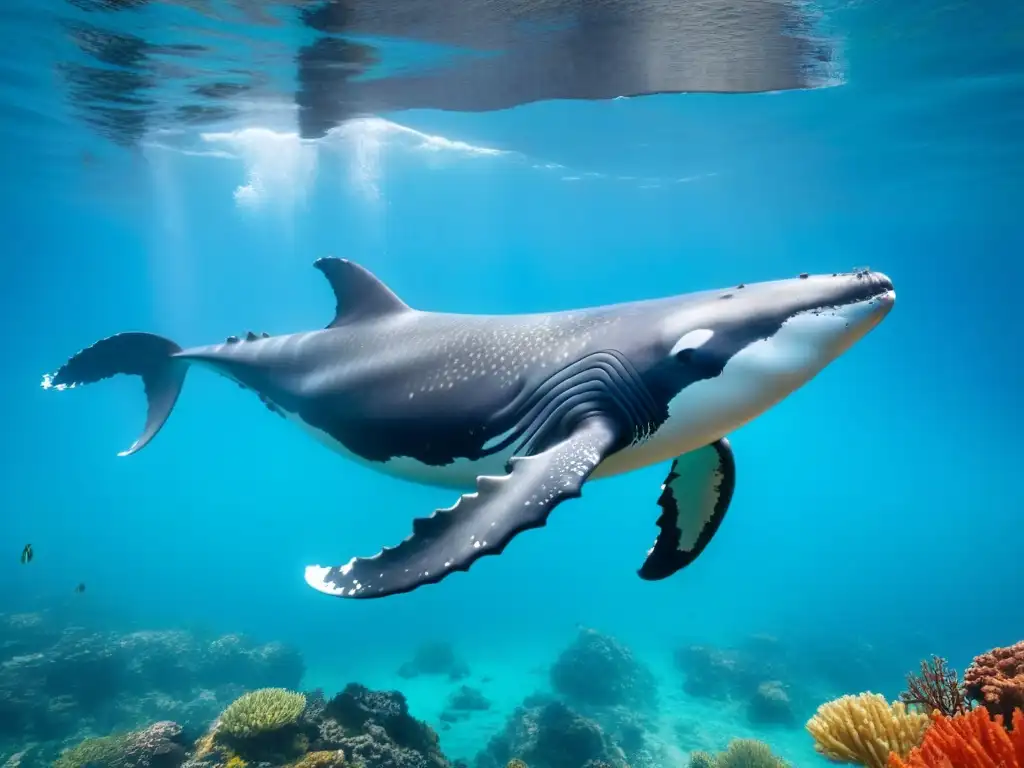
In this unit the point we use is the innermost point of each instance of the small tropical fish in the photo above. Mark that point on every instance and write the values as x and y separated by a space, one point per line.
26 554
80 588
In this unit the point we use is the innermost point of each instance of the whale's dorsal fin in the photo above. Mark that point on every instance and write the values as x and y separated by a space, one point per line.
359 293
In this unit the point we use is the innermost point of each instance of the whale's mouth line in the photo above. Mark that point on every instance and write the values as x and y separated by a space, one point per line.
881 292
884 293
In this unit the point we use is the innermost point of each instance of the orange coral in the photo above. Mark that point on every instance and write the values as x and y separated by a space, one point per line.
972 740
996 679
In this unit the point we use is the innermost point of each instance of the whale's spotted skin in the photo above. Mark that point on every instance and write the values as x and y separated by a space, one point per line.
522 410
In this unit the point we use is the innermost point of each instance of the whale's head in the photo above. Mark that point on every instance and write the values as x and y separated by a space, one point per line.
719 358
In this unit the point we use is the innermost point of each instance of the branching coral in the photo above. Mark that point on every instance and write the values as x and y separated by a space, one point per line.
262 711
936 688
996 679
864 729
971 740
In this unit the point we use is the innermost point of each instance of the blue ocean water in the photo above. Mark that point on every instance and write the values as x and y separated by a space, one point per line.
877 508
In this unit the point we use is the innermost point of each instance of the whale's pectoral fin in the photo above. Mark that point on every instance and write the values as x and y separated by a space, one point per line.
693 502
480 523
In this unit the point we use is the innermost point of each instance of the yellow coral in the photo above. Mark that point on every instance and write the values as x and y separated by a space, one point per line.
267 709
515 762
204 745
864 729
236 762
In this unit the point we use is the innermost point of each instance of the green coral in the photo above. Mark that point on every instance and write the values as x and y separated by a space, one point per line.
748 753
101 752
702 760
515 762
262 711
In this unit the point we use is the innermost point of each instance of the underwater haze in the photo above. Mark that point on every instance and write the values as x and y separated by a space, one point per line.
177 168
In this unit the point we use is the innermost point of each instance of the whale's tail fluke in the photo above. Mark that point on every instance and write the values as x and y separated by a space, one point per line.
141 354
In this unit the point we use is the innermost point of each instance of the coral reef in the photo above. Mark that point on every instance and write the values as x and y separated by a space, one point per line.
728 673
315 706
376 729
758 674
551 735
713 674
468 699
936 689
264 725
996 679
102 752
326 758
60 684
748 753
601 715
462 703
262 711
770 704
864 729
435 658
596 670
968 740
740 753
158 746
358 728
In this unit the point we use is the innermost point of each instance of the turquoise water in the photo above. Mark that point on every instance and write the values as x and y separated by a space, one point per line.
876 508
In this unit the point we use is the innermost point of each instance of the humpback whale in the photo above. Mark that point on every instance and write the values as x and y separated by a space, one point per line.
520 411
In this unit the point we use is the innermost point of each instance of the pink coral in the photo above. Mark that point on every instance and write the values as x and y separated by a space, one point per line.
996 679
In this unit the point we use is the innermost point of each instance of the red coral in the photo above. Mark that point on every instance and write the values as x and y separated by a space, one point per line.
996 679
972 740
936 688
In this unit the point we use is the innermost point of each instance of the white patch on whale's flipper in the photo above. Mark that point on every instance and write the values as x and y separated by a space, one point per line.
694 500
316 578
478 524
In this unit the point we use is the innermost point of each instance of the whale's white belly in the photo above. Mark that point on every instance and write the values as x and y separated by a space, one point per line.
460 474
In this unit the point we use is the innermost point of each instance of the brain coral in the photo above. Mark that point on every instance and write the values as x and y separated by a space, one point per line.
267 709
996 679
